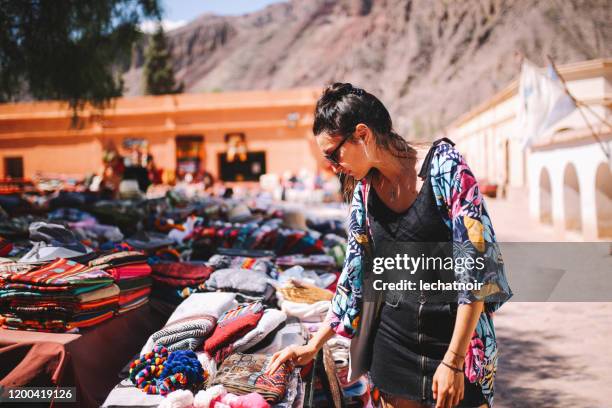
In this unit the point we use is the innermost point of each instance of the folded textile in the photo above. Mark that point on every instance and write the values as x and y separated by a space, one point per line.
292 333
295 291
12 268
315 312
62 272
263 264
178 282
188 333
133 295
239 280
109 291
131 271
196 306
126 307
214 304
183 270
232 325
293 389
135 283
242 374
316 261
269 321
119 258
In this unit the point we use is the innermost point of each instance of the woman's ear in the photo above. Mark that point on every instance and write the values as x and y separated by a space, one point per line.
363 132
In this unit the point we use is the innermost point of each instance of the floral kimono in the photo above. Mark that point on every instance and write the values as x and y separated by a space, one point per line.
463 209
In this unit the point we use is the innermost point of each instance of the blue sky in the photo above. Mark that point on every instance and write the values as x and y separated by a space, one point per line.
180 12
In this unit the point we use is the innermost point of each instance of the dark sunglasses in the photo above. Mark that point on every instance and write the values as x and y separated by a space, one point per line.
331 157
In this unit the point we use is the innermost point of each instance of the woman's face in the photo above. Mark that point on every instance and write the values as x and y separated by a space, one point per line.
351 157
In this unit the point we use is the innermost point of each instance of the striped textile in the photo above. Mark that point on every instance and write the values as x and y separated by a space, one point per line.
133 305
62 272
177 334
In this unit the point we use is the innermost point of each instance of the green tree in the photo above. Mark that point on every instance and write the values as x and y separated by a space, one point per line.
67 49
158 71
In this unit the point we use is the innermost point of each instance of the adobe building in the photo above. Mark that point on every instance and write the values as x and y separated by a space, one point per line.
265 131
565 174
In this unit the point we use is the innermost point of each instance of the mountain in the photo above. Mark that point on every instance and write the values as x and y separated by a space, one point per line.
428 60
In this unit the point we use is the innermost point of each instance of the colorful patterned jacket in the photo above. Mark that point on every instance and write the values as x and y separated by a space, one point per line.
463 209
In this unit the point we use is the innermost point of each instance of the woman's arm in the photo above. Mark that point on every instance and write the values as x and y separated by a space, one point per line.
448 383
465 324
302 355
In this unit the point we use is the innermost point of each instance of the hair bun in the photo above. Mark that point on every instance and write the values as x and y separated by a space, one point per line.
337 90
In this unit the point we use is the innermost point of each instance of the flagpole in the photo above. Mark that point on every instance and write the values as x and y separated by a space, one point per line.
580 104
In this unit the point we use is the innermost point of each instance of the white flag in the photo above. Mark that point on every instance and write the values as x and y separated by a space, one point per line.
542 102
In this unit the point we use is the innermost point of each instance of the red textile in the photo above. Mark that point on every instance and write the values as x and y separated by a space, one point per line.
230 332
130 271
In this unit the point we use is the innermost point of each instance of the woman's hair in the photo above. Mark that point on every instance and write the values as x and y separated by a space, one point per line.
341 108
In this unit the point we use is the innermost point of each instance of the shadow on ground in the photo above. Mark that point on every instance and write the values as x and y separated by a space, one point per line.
524 363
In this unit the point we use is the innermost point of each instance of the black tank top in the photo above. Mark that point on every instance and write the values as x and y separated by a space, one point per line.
422 222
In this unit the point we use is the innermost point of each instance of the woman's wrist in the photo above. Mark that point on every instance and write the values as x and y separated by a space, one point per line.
454 359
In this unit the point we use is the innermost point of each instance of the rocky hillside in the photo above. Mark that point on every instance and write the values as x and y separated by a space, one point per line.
429 60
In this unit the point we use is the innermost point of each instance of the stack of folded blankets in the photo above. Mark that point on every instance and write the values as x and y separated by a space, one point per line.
57 297
175 281
231 326
132 275
192 322
252 285
268 324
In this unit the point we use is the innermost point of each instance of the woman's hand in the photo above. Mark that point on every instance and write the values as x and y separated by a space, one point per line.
447 387
301 355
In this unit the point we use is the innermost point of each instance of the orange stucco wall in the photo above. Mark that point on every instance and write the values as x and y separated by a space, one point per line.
40 133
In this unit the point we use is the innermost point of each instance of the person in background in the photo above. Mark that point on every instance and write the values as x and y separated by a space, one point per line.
154 173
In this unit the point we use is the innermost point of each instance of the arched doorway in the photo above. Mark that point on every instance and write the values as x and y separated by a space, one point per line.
545 197
571 199
603 200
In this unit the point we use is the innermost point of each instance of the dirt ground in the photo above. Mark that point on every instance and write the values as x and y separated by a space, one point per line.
551 354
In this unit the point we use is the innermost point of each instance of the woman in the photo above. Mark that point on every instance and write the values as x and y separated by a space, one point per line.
418 352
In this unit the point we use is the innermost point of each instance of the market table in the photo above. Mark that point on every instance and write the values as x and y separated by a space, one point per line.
89 361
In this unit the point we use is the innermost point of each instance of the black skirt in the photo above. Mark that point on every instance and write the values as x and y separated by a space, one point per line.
410 342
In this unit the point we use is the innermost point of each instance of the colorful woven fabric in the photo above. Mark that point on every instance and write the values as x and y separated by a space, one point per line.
231 326
178 282
10 268
131 271
188 333
133 305
132 295
135 283
243 262
119 258
242 374
183 270
158 372
62 272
